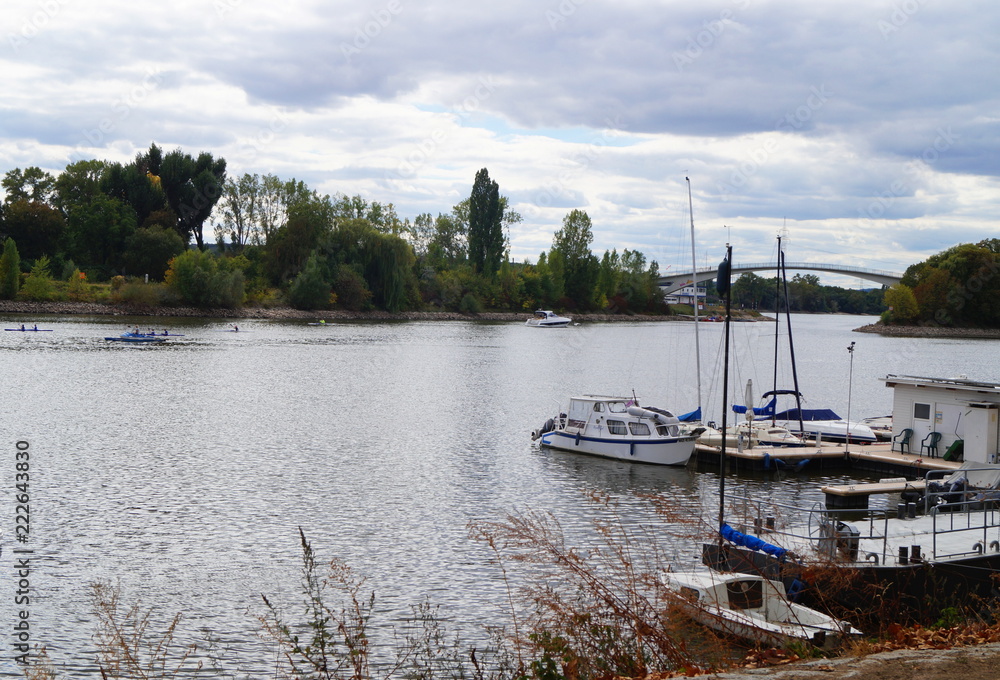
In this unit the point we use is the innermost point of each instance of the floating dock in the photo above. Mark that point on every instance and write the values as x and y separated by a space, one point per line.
876 458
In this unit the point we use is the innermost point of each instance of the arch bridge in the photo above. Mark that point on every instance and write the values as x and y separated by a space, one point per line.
674 281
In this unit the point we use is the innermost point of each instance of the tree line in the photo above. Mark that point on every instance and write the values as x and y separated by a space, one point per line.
278 241
958 287
805 294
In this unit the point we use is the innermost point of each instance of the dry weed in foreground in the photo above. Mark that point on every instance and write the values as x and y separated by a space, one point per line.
126 646
593 613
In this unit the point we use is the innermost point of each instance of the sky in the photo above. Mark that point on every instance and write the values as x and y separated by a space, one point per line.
865 133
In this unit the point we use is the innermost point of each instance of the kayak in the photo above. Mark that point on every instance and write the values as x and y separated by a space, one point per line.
132 337
33 330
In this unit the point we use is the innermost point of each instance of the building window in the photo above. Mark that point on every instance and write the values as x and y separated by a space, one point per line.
921 411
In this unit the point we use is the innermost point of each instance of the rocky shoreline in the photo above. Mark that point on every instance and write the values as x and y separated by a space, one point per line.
930 332
101 309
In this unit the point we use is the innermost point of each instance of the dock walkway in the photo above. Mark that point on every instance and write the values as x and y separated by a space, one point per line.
876 458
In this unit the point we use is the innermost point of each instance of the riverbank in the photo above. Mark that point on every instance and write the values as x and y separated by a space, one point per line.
930 332
101 309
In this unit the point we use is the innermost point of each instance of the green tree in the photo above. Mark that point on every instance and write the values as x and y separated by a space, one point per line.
136 187
310 289
38 285
35 226
581 267
32 185
902 305
192 186
351 288
10 270
241 199
78 184
97 233
486 238
148 251
198 280
289 246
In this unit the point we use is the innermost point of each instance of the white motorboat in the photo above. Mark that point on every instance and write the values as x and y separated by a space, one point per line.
617 427
545 318
754 608
881 426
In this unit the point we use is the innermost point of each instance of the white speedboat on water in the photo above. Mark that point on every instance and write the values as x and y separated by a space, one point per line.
617 427
545 318
754 608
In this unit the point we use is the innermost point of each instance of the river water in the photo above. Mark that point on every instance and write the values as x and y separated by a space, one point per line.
183 471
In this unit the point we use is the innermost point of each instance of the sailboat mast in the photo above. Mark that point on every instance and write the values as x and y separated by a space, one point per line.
722 284
791 345
777 322
694 279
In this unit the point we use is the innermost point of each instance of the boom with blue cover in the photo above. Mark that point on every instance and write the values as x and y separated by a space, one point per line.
752 542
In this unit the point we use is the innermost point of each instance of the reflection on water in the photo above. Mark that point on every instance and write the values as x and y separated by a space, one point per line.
185 470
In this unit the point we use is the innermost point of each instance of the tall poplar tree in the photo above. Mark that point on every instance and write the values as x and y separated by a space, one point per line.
10 270
486 238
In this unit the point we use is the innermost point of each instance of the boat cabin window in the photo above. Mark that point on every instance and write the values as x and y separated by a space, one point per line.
599 407
921 411
640 429
617 407
745 594
617 427
667 430
690 594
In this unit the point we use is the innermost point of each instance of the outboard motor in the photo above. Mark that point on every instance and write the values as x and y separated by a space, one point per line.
549 425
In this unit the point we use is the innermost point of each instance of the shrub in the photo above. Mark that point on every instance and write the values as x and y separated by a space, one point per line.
38 285
310 290
77 289
197 279
470 304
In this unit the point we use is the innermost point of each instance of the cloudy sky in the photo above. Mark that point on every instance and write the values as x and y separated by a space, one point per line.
866 132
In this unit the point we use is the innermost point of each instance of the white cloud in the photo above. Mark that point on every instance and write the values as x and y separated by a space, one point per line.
869 128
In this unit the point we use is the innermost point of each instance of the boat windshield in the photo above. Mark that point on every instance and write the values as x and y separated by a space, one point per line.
617 406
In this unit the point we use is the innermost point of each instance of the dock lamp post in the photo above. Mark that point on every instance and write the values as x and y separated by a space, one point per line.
850 384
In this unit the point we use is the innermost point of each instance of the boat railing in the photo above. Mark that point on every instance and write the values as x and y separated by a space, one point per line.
972 520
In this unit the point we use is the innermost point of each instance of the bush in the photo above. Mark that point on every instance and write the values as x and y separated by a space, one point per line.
470 304
38 285
139 294
77 290
198 280
310 290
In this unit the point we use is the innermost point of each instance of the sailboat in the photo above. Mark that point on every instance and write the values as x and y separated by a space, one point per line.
749 606
820 424
750 433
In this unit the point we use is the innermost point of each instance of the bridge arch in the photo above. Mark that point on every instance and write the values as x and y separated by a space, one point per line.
679 279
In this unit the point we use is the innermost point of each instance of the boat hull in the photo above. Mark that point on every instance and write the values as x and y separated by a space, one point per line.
673 451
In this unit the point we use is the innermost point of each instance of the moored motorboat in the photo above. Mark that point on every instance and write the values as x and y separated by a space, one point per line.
756 609
545 318
617 427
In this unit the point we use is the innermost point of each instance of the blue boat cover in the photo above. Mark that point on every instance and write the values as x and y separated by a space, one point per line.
752 542
693 417
766 410
808 414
